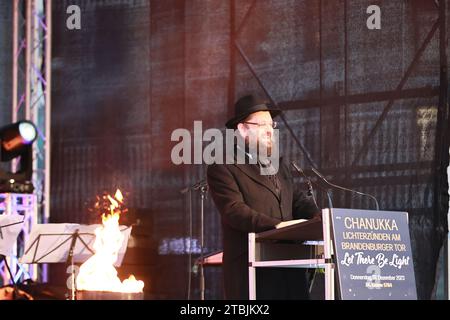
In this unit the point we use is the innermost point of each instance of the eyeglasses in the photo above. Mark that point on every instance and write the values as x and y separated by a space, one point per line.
271 124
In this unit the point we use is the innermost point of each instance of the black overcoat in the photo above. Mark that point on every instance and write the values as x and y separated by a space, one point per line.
248 202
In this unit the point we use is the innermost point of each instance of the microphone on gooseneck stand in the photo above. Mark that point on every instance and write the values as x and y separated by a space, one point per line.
309 183
312 275
346 189
300 171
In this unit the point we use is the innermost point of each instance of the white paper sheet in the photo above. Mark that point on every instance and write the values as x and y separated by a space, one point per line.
10 226
289 223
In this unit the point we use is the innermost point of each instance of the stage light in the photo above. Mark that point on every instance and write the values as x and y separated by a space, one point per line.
16 141
15 138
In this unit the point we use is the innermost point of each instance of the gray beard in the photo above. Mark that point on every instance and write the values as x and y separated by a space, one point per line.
257 153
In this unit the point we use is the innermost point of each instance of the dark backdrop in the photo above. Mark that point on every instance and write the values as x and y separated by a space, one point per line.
363 103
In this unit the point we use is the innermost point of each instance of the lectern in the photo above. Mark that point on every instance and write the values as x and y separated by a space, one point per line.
369 253
303 245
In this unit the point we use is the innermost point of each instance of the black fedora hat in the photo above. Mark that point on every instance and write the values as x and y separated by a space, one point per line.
248 105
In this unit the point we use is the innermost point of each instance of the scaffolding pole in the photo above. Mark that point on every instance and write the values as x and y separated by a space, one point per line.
31 93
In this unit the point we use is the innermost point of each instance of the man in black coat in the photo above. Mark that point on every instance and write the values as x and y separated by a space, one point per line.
250 201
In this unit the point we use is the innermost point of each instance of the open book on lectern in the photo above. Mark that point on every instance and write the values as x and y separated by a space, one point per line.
289 223
295 230
50 243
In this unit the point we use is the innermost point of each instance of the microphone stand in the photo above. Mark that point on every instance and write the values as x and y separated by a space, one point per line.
310 188
203 187
312 276
203 190
346 189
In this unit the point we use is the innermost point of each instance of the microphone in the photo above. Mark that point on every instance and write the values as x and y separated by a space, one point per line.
346 189
300 171
202 185
310 188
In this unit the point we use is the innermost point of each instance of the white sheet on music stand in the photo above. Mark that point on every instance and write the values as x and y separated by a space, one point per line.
9 234
53 234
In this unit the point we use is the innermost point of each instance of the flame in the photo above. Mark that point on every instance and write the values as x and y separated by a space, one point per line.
98 272
119 196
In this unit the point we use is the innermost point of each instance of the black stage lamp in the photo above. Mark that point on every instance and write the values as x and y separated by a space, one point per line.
16 142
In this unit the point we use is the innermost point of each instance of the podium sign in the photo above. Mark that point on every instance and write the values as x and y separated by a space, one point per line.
373 255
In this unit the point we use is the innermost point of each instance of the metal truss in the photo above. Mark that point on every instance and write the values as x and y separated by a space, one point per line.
31 91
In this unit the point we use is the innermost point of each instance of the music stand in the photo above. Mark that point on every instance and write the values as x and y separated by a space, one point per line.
66 243
10 227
